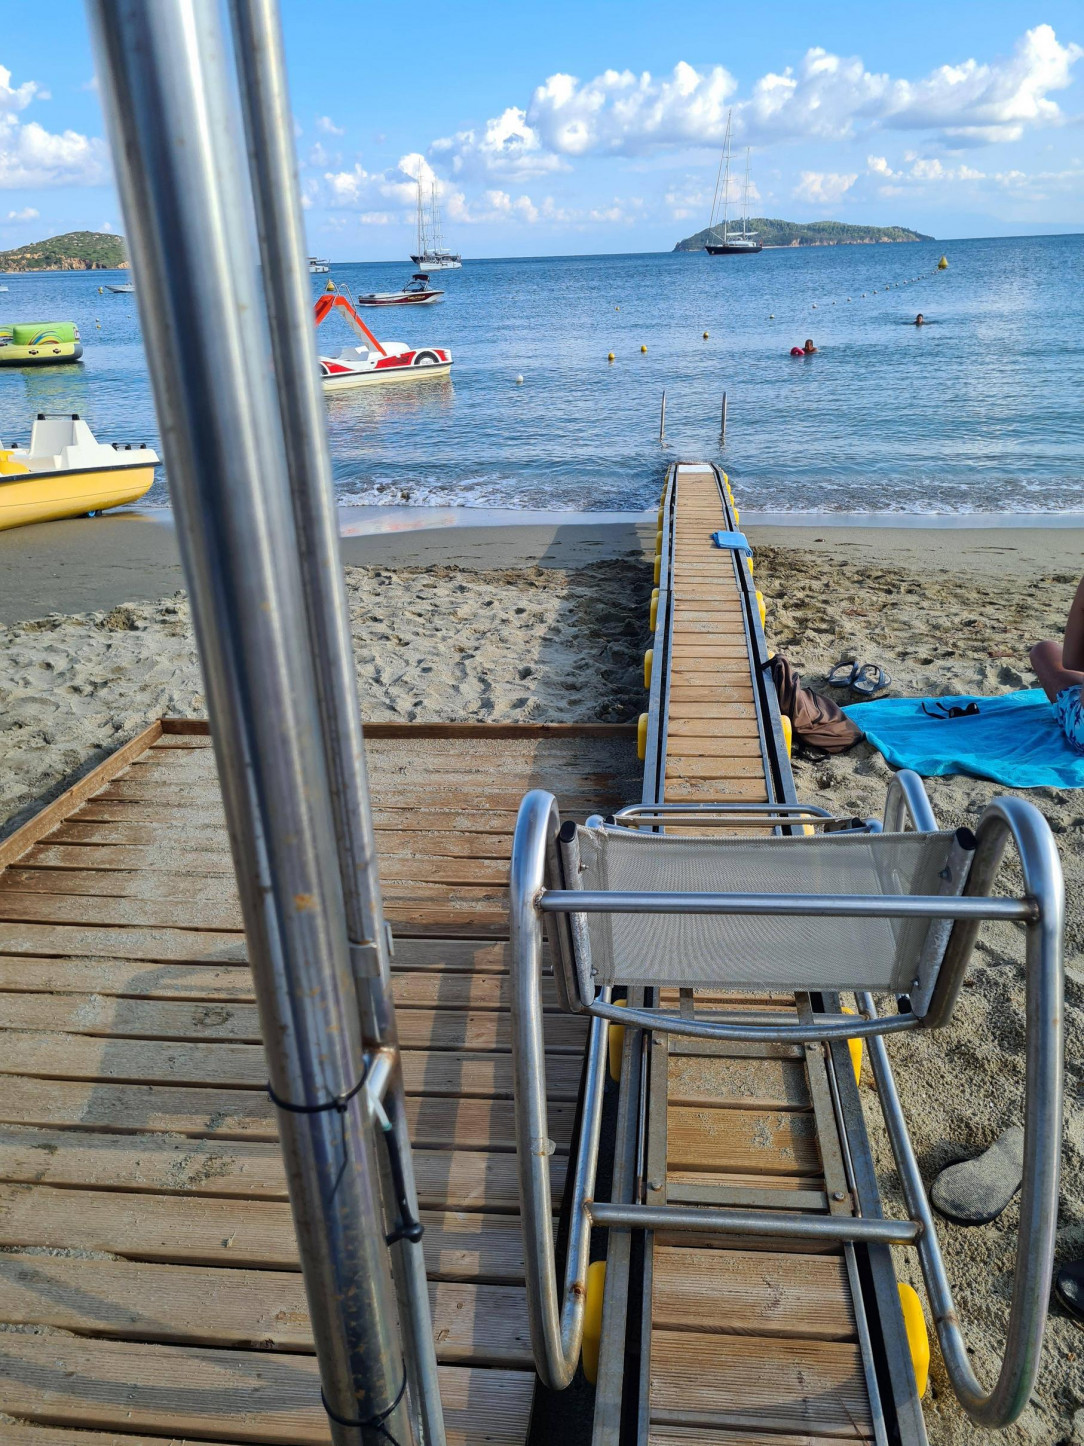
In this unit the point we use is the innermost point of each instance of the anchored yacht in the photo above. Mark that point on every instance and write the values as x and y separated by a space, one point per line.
432 254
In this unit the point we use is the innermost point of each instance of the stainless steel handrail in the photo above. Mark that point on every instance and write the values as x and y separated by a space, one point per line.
1042 1131
834 906
163 68
556 1324
268 119
780 1224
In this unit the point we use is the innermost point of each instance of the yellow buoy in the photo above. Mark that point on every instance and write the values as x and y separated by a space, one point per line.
330 286
654 611
592 1318
610 357
942 265
918 1337
705 336
641 744
643 348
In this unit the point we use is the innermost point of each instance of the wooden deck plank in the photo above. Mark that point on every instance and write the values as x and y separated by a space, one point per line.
243 1309
758 1382
212 1231
762 1142
745 1083
419 1028
485 1075
243 1396
435 1122
743 1292
164 1164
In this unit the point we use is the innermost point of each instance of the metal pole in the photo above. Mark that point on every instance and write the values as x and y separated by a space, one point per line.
722 421
776 1224
662 419
164 84
273 169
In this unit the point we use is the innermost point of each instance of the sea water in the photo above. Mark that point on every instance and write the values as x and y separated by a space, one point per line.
979 411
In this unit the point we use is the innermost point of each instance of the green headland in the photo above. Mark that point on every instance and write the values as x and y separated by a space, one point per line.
75 251
811 233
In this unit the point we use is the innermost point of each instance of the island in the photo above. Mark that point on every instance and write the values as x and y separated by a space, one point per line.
74 251
811 233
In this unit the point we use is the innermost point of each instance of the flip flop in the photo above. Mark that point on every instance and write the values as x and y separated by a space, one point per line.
974 1192
864 678
870 680
1069 1288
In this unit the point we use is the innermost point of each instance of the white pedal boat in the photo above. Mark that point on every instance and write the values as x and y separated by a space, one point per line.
67 472
374 361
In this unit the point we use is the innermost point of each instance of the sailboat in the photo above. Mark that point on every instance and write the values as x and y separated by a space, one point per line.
731 243
432 254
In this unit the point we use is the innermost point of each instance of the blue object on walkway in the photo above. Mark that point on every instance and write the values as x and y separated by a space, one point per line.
735 541
1014 739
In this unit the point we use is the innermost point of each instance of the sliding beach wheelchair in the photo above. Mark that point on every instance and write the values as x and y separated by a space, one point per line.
778 897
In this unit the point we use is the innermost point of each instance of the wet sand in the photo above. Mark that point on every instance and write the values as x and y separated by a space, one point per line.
537 623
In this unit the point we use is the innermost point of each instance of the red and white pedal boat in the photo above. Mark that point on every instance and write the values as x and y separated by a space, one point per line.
374 361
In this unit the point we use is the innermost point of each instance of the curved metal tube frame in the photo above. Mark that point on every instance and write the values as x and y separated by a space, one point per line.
1043 882
907 799
556 1323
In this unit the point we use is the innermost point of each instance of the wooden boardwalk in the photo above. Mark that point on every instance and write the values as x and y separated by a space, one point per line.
752 1346
149 1282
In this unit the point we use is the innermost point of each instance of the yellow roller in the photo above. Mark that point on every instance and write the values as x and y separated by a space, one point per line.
653 616
641 743
648 659
658 568
918 1337
855 1046
760 607
737 517
658 543
592 1318
615 1041
788 732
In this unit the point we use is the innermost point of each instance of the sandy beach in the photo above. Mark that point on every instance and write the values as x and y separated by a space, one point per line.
535 624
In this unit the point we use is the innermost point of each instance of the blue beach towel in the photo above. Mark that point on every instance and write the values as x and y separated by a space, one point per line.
735 541
1014 739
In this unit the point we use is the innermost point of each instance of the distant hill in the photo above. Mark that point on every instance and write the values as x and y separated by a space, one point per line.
812 233
77 251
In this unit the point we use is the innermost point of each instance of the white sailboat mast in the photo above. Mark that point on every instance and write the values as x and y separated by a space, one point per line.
745 194
726 177
422 243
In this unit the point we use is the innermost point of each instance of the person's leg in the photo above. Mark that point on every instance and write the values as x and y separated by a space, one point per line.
1072 652
1049 663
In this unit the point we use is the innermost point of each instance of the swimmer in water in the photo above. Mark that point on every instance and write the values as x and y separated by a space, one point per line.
806 350
920 320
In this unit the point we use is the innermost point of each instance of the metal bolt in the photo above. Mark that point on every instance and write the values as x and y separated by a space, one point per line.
654 1184
839 1194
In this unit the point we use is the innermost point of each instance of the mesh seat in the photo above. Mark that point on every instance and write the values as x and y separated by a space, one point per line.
764 950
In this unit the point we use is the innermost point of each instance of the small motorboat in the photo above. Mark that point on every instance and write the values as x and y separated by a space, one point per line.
67 472
39 344
125 289
417 292
373 361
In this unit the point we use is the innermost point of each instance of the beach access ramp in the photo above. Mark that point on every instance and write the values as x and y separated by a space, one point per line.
738 1339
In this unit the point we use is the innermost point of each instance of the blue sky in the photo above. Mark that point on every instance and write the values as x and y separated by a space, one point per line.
595 126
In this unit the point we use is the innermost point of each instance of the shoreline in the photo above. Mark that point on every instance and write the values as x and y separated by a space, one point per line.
131 555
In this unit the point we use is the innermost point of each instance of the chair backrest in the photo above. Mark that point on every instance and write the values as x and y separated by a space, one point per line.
766 949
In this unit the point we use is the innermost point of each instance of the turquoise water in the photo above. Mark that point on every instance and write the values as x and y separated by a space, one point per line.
977 412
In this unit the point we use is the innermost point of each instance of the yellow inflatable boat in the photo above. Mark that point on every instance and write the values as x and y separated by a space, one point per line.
66 472
39 344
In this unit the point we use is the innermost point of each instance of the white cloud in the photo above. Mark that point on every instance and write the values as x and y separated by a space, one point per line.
506 147
107 227
619 113
824 188
32 156
26 214
325 124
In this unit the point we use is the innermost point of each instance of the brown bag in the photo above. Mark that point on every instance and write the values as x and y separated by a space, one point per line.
816 721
